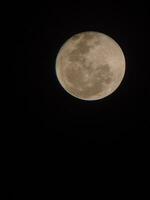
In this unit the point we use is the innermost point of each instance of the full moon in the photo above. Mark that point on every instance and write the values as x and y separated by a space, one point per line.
90 65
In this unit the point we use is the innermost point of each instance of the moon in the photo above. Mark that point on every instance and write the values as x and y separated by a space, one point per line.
90 65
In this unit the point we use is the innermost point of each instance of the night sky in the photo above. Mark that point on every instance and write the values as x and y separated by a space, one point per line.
42 113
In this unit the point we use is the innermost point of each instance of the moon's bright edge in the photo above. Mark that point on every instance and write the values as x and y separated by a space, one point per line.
90 65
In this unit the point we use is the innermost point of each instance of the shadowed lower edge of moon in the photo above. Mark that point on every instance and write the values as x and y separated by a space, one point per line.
99 89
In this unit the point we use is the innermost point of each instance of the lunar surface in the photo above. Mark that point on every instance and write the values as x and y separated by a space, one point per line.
90 65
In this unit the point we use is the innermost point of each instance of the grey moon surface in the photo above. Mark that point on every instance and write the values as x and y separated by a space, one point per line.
90 65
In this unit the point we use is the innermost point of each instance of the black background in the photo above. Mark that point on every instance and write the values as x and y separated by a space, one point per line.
42 113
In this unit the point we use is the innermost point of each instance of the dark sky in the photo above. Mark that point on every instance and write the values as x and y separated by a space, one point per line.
42 113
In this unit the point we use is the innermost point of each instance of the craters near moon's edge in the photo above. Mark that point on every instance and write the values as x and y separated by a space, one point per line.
80 50
96 81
